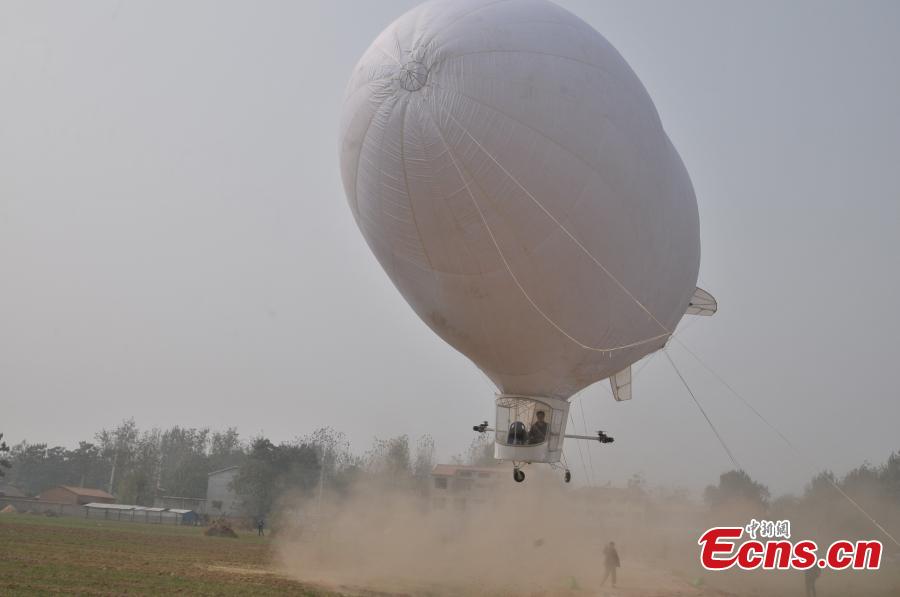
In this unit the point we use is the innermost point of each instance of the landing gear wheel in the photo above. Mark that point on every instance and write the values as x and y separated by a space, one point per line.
567 477
518 475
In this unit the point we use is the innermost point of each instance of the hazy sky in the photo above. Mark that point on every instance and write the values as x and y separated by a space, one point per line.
175 245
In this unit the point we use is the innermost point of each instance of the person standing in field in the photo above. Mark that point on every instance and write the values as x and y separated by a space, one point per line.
260 526
610 563
810 577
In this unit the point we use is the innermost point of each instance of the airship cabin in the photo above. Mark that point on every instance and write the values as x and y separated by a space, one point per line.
530 429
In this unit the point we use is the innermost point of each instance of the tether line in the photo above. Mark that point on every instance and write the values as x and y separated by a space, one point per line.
789 443
734 461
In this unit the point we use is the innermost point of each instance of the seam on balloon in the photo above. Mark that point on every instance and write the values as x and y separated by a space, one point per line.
381 173
397 43
459 229
362 87
494 28
465 245
386 53
465 15
535 52
509 268
409 198
542 134
561 226
362 146
457 225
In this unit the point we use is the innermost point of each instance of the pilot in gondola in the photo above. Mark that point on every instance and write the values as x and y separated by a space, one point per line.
538 432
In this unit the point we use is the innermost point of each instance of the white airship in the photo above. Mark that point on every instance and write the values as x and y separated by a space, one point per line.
510 173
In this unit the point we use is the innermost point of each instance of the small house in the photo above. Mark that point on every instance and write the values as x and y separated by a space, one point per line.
221 499
66 494
462 486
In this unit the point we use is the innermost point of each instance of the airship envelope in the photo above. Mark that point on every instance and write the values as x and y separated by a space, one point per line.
510 173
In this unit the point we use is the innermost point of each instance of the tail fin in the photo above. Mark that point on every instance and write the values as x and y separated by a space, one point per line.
621 385
702 303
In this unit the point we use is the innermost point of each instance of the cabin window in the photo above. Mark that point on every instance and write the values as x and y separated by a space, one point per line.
524 422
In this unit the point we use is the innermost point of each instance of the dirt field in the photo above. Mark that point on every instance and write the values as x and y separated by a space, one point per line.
72 556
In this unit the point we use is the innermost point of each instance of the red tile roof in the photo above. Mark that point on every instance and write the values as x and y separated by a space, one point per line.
87 492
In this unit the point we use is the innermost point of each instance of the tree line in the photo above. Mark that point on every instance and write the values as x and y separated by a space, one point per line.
134 464
824 507
137 466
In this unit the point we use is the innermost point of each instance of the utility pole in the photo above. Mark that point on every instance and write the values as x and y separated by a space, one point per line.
112 474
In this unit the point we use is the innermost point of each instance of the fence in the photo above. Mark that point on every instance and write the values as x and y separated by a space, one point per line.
41 507
133 514
100 511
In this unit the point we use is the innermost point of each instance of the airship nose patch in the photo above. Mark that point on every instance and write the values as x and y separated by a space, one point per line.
413 75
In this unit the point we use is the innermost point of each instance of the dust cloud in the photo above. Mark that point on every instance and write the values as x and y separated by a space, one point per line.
540 537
